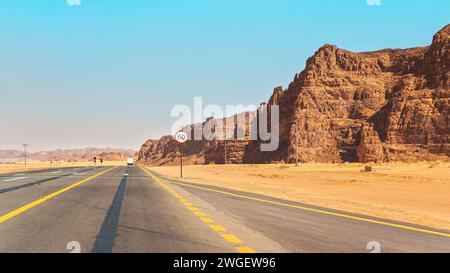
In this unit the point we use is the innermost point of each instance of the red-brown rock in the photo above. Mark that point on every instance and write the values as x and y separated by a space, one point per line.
387 105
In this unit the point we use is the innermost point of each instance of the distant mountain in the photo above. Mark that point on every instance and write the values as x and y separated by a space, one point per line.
71 155
387 105
10 155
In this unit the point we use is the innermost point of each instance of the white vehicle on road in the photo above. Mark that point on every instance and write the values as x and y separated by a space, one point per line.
130 161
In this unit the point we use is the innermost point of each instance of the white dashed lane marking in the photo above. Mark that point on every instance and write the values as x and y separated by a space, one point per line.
13 179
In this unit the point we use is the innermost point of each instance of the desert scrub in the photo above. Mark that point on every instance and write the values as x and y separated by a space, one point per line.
433 165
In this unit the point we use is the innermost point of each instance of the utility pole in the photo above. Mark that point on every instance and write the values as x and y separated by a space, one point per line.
25 152
225 150
296 144
203 155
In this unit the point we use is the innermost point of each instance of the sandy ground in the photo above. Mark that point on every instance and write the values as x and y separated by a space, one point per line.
32 166
416 193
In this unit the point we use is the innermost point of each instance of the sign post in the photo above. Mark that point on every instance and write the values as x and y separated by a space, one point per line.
181 137
181 160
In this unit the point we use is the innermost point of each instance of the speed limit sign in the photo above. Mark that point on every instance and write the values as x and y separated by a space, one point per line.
181 137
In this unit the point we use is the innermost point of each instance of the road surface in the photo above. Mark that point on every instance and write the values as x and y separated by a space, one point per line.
129 209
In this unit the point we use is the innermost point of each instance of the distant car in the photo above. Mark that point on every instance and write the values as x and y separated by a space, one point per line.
130 162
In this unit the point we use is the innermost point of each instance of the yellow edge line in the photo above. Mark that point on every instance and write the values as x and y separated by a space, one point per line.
199 213
244 249
217 228
159 182
20 210
320 211
231 238
228 237
207 220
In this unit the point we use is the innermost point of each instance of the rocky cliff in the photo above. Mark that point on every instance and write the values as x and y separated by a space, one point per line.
387 105
112 156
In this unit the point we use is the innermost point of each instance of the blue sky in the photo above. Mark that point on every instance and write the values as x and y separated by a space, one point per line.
107 73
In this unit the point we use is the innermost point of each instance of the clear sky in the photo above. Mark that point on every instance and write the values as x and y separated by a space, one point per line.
107 73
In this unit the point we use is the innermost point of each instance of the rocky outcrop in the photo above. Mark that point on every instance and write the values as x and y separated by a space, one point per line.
387 105
112 156
370 148
165 151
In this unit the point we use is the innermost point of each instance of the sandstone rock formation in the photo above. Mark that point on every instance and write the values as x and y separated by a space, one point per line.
387 105
112 156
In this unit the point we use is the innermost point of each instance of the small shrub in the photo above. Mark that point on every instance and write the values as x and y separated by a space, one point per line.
433 165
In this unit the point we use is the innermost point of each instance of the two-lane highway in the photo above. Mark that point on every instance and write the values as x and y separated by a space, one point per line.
110 210
11 182
129 209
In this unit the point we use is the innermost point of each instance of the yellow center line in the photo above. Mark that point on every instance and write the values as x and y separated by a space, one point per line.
207 220
228 237
231 238
199 213
22 209
244 249
363 219
217 228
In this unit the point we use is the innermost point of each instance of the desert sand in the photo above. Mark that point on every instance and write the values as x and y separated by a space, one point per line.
33 166
416 193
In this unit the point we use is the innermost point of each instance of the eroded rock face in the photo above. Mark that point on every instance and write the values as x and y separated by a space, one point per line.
370 148
402 94
165 151
112 156
388 105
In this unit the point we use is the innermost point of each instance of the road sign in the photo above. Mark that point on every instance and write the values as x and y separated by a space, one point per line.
181 137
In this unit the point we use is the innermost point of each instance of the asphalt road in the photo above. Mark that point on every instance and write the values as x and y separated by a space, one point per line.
120 209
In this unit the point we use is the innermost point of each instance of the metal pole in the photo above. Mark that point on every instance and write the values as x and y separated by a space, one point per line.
181 160
203 154
25 151
225 148
296 144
